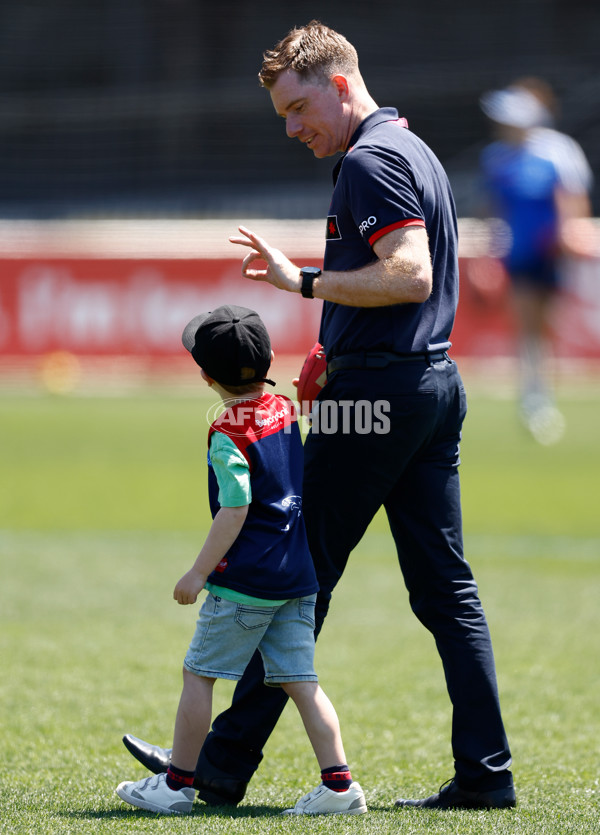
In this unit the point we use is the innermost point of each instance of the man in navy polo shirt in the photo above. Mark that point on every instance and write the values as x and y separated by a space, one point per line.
390 289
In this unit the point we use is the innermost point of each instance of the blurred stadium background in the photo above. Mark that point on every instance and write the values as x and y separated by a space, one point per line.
134 136
152 106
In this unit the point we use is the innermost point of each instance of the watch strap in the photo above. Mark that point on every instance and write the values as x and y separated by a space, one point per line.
308 277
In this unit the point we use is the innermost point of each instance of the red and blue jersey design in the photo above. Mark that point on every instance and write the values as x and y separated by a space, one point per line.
390 179
270 558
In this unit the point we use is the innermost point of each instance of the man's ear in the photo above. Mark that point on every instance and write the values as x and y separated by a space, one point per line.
206 378
341 85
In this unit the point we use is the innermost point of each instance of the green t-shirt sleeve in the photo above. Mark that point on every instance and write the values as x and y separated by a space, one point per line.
232 471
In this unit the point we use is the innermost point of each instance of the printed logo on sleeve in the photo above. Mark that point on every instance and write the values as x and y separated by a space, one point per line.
367 224
332 232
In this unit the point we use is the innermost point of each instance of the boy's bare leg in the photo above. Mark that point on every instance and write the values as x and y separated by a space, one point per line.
192 722
337 794
172 792
320 720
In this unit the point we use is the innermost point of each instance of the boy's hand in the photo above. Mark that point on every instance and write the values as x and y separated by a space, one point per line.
223 532
189 587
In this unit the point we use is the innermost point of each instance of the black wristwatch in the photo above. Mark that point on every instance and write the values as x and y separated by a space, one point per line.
308 276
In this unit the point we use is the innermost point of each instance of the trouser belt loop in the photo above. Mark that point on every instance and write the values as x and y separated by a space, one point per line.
436 356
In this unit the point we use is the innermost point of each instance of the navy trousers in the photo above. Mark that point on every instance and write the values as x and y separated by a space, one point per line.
406 460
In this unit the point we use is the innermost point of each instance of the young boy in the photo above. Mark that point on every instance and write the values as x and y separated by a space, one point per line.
256 567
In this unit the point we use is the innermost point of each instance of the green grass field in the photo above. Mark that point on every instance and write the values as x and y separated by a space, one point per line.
103 507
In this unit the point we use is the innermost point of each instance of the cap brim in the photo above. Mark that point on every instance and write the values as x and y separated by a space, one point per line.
188 337
513 107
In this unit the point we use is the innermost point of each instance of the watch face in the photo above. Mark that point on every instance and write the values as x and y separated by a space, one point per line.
314 271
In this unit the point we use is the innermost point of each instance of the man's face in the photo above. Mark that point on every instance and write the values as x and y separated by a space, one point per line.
313 113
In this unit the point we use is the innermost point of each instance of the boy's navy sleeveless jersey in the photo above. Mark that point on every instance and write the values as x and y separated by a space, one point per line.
389 179
270 557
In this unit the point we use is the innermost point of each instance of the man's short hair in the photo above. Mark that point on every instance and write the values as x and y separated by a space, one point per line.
314 51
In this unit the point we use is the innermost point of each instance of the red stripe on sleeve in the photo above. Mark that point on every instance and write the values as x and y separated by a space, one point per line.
400 225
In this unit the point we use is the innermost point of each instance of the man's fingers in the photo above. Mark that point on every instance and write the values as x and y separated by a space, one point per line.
255 241
243 241
252 236
257 275
277 263
250 257
248 239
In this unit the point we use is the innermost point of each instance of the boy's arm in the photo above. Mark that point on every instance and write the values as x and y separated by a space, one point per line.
223 532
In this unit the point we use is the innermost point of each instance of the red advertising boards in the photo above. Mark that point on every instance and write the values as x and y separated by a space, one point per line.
140 307
131 293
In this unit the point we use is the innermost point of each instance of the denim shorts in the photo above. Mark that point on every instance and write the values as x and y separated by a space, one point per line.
228 634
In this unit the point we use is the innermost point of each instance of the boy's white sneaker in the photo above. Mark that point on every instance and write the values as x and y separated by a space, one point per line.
153 794
324 801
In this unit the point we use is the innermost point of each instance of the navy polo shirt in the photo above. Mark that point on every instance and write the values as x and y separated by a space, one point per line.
388 179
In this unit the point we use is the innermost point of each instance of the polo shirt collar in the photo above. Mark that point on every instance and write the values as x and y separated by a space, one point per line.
384 114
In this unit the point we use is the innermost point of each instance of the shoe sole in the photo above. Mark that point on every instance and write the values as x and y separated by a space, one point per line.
140 803
361 810
457 806
508 803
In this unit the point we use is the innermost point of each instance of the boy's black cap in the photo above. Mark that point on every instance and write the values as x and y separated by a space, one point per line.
231 344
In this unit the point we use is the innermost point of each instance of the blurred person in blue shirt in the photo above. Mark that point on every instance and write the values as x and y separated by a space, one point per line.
538 180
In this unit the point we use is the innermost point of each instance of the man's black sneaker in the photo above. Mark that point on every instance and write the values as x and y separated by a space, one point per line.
451 796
